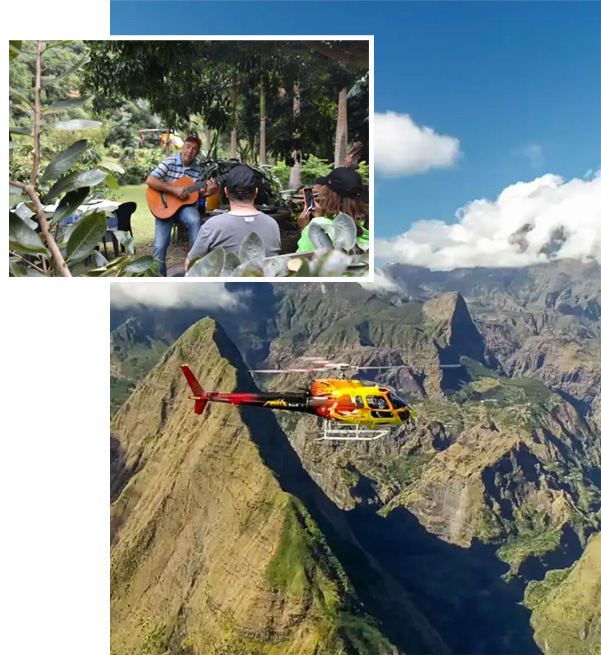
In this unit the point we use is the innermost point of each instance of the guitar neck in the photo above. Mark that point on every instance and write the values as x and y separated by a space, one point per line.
197 186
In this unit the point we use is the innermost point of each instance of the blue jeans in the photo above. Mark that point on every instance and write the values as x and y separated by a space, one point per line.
190 217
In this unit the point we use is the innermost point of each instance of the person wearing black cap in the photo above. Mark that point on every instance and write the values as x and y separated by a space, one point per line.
228 231
161 179
339 192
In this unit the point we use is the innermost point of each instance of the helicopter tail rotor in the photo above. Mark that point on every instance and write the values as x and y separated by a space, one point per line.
197 390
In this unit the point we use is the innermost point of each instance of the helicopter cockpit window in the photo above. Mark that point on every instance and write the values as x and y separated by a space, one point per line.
377 402
359 402
397 402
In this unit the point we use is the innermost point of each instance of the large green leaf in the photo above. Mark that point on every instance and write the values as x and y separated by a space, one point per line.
318 237
252 248
74 181
56 44
126 240
232 261
274 266
111 166
14 49
69 204
210 265
75 124
20 130
252 268
20 94
86 235
140 264
22 238
345 232
77 66
61 105
329 263
111 182
25 214
63 161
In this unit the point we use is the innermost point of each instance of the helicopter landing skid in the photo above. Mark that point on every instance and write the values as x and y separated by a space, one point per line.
351 433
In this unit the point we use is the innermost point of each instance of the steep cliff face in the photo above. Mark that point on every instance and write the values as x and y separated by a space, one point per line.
210 552
567 606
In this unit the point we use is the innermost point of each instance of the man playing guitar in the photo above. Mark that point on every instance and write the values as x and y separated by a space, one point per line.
161 179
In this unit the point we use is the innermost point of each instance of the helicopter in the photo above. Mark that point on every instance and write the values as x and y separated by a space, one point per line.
351 410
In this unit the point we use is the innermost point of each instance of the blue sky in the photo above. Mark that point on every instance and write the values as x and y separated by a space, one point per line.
517 85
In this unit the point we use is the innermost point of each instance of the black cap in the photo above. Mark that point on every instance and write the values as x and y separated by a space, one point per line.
344 181
241 178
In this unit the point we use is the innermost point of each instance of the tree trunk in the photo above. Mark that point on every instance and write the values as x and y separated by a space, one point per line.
207 139
168 143
262 155
233 143
295 172
341 131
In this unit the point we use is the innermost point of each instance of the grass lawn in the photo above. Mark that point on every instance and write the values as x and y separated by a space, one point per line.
142 224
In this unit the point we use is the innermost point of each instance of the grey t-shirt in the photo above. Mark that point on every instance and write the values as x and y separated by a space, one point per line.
228 231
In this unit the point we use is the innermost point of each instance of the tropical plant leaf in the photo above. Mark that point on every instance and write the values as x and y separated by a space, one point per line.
210 265
63 161
20 94
140 264
25 214
126 240
111 166
85 237
22 238
69 204
20 130
273 267
252 248
62 105
232 261
84 60
56 44
318 237
329 263
345 232
14 49
252 268
75 124
98 258
74 181
111 182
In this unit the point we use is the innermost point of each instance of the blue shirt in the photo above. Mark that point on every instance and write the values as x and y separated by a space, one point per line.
173 168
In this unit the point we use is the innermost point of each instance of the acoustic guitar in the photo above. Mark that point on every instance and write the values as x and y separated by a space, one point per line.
163 204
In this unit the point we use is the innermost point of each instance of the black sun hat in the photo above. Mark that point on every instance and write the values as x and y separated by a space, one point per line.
241 178
344 181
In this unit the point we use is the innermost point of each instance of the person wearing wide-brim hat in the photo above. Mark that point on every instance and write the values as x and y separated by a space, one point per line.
339 192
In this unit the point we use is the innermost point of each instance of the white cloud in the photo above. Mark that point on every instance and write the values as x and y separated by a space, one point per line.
402 147
529 223
534 154
211 295
381 283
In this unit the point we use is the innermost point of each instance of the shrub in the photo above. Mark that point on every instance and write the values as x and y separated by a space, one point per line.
281 170
313 168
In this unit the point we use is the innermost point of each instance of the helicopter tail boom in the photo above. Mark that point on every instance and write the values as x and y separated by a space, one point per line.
197 390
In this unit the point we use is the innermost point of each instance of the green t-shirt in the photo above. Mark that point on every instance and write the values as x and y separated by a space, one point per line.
304 243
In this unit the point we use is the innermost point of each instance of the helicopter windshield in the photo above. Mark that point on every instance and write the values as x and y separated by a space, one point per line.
397 403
